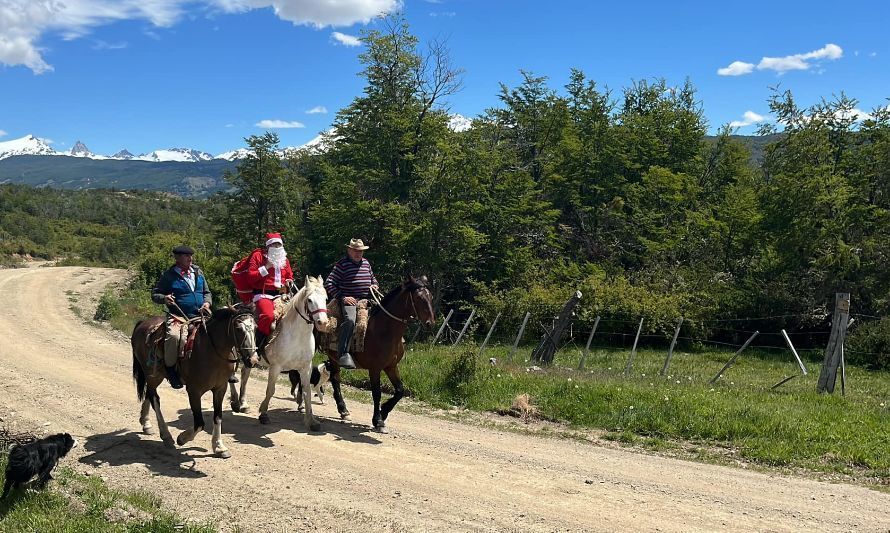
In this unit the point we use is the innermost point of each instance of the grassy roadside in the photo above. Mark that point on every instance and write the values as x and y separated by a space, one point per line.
76 503
739 417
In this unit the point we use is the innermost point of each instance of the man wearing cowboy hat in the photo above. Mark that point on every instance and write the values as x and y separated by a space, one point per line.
184 290
350 281
268 272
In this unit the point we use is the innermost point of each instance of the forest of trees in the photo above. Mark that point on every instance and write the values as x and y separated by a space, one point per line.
620 194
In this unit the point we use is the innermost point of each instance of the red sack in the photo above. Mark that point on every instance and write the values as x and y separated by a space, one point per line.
240 279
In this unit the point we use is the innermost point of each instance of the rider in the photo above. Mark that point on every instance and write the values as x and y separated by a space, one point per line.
268 272
350 280
184 290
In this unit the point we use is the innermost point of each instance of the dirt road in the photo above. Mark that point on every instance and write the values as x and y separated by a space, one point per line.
428 474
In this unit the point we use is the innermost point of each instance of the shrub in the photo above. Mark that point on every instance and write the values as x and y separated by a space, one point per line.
869 345
109 307
458 380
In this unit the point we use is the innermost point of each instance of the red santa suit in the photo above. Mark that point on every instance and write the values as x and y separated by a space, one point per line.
267 284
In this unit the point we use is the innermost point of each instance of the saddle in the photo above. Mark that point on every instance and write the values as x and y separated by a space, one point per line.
331 338
156 335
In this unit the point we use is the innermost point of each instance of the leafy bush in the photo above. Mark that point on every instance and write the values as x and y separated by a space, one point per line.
109 307
458 380
869 345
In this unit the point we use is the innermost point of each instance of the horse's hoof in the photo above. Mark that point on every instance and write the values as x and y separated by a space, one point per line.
315 426
225 454
345 416
264 418
180 440
381 429
244 408
236 407
148 430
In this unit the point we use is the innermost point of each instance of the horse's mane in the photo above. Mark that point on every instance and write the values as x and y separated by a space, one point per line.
412 285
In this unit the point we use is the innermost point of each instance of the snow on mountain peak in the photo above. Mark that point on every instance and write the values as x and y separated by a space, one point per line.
27 145
175 154
458 122
80 150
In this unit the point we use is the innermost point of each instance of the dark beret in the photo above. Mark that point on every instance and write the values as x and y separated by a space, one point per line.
183 250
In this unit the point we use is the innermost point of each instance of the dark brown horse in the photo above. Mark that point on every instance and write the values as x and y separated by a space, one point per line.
384 345
207 369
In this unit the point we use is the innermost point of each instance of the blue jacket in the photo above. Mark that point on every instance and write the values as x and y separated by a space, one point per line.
190 301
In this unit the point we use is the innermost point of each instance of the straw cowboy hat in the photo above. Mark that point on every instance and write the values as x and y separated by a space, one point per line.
356 244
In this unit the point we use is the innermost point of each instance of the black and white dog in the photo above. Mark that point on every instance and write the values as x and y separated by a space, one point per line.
36 458
321 374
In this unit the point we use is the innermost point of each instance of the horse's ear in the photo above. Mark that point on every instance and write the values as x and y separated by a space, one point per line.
306 281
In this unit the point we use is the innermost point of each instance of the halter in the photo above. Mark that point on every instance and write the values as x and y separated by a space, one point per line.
308 311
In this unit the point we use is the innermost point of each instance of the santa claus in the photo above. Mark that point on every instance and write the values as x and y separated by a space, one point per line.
268 271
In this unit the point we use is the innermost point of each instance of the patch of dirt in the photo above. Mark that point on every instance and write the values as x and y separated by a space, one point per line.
428 474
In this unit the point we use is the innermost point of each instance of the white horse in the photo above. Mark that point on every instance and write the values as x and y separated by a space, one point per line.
292 348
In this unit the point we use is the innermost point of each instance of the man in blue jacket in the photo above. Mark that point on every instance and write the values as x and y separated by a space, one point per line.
184 290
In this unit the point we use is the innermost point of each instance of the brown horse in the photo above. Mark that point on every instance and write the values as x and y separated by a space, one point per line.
207 369
384 345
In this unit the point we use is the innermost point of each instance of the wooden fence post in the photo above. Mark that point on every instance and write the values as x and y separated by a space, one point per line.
442 327
732 359
490 330
519 335
587 348
466 325
633 352
547 348
667 360
839 322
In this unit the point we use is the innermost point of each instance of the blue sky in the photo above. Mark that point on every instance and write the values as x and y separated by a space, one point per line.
204 74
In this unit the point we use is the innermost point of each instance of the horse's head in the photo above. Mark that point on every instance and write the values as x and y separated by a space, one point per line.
420 299
241 325
316 302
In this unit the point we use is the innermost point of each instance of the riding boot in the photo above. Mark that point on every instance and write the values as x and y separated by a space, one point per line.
173 377
344 359
261 340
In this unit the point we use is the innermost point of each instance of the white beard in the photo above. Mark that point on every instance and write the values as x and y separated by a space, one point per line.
277 256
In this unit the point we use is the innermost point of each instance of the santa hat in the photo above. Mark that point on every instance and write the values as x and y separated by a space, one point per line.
272 238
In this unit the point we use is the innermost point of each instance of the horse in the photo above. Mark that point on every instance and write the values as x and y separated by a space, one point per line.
207 369
292 348
384 345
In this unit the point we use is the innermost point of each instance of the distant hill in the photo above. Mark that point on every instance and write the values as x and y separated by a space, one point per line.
188 179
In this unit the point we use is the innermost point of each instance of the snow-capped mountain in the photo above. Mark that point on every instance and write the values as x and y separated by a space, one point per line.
123 155
459 122
27 145
175 154
233 155
80 150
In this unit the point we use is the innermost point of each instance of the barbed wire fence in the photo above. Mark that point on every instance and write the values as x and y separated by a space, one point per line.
611 333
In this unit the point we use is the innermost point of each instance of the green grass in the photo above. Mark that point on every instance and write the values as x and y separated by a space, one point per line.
792 426
76 503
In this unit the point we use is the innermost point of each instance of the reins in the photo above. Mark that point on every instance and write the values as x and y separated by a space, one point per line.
377 299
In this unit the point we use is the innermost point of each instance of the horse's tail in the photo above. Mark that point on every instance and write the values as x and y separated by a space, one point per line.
138 372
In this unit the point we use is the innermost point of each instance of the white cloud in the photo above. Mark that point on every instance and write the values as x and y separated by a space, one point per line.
230 125
736 68
317 110
443 14
784 64
345 40
24 22
748 118
275 124
316 13
103 45
2 133
873 54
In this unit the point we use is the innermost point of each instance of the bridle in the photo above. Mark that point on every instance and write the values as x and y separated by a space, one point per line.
375 294
311 314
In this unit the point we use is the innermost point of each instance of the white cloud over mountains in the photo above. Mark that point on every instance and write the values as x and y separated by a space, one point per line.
748 118
785 63
24 22
275 124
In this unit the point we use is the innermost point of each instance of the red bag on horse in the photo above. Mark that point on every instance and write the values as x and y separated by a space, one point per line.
239 278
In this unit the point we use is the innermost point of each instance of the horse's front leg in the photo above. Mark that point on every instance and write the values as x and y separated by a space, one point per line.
143 417
218 447
237 400
152 396
274 370
195 403
375 393
392 373
338 395
311 423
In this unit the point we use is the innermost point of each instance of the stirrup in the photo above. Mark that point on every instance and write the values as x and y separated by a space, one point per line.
345 361
173 377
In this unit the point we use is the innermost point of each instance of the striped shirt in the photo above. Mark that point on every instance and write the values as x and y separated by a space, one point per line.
350 279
